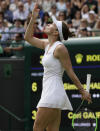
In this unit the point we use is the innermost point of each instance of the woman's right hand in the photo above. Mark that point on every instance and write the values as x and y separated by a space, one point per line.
35 11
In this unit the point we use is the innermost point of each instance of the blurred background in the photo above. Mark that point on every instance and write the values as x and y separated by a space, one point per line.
81 16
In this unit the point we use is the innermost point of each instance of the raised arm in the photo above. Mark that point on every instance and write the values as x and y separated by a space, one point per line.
29 34
62 54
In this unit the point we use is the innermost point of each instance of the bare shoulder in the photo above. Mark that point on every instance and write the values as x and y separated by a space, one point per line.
61 50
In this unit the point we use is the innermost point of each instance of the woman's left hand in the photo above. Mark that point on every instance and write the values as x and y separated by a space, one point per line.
86 96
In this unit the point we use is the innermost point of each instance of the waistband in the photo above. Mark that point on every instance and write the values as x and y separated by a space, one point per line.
45 77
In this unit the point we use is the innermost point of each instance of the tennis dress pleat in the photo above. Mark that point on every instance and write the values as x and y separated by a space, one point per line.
53 93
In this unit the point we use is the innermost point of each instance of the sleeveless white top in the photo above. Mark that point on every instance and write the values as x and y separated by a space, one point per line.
53 93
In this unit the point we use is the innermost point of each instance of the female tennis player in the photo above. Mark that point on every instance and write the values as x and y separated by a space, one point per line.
56 59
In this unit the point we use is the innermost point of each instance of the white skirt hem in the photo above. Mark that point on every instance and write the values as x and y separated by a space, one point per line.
53 106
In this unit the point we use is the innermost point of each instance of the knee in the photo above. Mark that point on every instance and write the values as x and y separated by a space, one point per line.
52 129
37 126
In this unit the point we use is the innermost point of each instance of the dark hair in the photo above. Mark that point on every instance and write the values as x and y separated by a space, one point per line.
53 6
43 19
66 32
1 13
20 35
64 13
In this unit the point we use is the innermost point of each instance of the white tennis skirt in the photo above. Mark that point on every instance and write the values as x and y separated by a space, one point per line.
53 94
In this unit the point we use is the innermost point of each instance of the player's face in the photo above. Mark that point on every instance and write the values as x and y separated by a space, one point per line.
50 29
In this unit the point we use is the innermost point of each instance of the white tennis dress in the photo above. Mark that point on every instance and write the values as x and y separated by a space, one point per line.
53 93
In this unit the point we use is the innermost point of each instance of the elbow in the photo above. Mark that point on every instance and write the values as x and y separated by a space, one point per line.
27 37
70 72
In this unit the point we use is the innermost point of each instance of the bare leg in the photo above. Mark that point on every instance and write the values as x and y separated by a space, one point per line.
54 125
45 116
